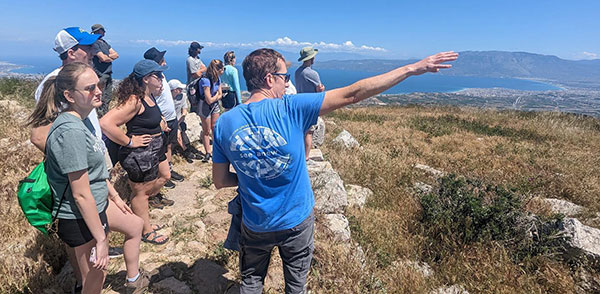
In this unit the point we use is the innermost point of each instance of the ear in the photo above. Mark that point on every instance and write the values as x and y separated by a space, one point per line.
145 79
68 96
269 79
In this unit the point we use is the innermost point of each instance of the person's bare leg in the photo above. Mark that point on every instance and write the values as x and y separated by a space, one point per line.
164 174
206 133
307 144
131 226
139 202
93 279
169 152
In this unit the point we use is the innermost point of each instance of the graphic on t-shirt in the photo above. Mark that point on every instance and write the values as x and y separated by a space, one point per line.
259 152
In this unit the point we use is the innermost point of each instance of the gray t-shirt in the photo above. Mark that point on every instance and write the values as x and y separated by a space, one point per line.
72 147
101 67
306 80
180 104
192 65
165 102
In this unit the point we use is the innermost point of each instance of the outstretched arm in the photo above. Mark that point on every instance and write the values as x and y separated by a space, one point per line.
368 87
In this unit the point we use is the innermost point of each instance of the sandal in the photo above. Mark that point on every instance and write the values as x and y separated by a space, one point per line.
157 227
146 238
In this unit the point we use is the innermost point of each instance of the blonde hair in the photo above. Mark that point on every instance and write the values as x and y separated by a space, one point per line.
53 98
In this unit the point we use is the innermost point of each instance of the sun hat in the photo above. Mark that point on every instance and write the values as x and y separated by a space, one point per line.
307 53
146 67
97 27
176 84
69 37
154 54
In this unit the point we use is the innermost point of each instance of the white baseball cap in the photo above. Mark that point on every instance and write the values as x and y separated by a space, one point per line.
176 84
69 37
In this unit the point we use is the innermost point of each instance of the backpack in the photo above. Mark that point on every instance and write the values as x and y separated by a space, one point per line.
36 200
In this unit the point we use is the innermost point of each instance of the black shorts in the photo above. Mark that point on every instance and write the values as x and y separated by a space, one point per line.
75 232
141 163
172 134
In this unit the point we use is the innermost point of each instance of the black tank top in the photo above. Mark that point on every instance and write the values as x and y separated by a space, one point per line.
146 123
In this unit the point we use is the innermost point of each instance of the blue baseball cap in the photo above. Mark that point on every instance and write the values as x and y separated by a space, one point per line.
146 67
69 37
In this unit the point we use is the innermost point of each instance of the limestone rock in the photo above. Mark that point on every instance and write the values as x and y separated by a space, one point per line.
346 140
194 128
319 134
454 289
315 155
338 225
329 191
563 206
430 170
200 230
583 239
172 285
423 188
357 195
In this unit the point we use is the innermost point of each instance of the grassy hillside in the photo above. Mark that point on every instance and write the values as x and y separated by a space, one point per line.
518 154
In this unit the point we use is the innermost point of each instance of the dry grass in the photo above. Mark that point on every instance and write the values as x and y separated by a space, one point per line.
535 154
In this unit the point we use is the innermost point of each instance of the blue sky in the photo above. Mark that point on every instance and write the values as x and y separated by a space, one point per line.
385 29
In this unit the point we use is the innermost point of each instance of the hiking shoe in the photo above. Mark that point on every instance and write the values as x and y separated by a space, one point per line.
154 202
176 176
115 252
169 184
140 285
206 157
163 200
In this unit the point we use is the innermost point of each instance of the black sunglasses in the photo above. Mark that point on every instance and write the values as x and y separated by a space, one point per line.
285 75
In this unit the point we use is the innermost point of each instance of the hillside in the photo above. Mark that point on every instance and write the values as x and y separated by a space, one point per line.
500 162
497 64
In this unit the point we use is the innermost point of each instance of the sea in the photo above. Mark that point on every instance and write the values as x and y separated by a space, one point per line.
331 78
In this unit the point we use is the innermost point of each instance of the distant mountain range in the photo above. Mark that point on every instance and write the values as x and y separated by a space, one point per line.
497 64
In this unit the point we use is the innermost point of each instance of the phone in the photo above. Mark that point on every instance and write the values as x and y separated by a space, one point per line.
93 255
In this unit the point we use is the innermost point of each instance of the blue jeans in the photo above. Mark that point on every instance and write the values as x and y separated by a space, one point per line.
295 246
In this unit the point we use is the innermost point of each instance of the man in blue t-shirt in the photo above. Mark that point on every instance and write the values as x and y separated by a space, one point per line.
263 140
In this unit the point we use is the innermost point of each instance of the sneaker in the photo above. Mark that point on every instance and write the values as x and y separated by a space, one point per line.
115 252
176 176
154 202
163 200
207 157
169 185
138 286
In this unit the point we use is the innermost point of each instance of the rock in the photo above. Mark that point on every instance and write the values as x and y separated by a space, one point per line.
338 225
66 278
346 140
200 230
315 155
317 167
563 206
319 134
582 240
430 170
208 277
194 128
420 267
172 285
454 289
357 195
423 188
329 191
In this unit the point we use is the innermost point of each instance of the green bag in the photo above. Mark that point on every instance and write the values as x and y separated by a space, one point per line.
35 199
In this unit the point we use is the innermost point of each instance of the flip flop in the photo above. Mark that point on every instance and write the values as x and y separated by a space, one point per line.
145 238
157 227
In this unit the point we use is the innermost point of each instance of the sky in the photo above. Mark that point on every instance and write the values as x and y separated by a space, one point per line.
371 29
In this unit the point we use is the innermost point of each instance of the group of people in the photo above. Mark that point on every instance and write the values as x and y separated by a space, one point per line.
264 139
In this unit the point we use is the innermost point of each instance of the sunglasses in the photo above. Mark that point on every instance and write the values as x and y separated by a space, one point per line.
91 89
286 76
158 75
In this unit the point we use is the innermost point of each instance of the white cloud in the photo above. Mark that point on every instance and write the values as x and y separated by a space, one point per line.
285 43
589 55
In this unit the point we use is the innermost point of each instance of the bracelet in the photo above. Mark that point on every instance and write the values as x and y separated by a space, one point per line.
130 142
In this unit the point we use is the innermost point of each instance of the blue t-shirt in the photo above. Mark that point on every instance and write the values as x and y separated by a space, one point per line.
264 141
205 82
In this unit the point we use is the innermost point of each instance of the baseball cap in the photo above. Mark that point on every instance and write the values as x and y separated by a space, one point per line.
97 27
69 37
154 54
176 84
196 45
146 66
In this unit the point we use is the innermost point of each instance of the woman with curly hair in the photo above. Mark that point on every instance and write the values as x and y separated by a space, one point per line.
142 152
85 203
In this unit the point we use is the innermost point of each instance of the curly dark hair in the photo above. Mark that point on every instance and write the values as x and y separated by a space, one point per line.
258 64
131 85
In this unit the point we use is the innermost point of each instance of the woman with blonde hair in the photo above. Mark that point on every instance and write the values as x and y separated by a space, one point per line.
208 107
85 203
143 152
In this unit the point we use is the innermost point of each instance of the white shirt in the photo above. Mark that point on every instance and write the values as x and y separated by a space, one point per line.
165 102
